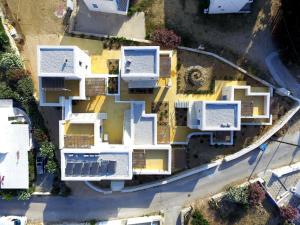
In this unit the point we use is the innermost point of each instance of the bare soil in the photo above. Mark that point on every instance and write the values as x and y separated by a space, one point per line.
261 215
37 23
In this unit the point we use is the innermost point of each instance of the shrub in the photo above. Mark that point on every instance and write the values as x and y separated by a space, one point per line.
166 38
256 194
24 195
47 149
7 93
51 166
10 61
39 135
17 74
7 195
289 213
198 219
238 195
25 89
4 42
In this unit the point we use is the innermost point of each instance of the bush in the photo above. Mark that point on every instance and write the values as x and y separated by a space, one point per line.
166 38
9 61
17 74
238 195
7 93
25 89
198 219
51 166
47 149
289 213
24 195
256 194
39 135
4 42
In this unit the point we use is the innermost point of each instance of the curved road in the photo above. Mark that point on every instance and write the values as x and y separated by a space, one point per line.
86 205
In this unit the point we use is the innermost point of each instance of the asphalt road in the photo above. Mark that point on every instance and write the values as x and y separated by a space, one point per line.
168 198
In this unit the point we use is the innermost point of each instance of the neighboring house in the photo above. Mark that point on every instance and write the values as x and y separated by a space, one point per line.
108 6
145 220
15 143
113 135
229 6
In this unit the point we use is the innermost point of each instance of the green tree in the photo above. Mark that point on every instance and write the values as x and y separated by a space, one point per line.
7 93
238 195
198 219
51 166
47 149
9 61
25 90
4 42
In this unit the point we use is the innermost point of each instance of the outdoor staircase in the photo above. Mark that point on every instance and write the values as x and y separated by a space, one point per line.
181 104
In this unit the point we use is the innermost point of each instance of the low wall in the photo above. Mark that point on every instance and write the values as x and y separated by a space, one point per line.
276 127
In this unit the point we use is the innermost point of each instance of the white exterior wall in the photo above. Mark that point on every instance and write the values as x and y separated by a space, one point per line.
227 6
81 70
108 6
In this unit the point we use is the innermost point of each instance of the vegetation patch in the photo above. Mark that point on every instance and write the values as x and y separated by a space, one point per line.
16 84
162 111
113 85
154 13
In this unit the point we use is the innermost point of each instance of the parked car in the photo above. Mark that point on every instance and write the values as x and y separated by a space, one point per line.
13 220
40 165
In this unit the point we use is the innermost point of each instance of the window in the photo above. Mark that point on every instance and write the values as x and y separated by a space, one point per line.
80 63
95 6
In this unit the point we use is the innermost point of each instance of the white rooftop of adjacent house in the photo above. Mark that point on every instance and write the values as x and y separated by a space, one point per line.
56 60
219 114
143 126
14 147
229 6
140 61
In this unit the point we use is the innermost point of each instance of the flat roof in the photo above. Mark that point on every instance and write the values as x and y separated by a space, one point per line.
221 115
14 147
140 61
97 164
144 127
56 60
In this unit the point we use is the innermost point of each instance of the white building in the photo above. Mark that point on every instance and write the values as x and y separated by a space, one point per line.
214 115
140 66
15 143
61 70
229 6
108 6
86 150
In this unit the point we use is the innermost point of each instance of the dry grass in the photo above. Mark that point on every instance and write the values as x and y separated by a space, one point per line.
261 215
154 13
37 23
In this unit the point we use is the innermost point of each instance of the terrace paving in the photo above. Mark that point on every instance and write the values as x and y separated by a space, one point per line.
113 125
257 101
71 85
99 61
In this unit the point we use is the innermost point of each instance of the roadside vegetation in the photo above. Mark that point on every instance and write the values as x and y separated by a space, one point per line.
16 84
241 205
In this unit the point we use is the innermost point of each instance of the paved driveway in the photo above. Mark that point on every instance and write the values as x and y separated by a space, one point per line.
281 74
87 21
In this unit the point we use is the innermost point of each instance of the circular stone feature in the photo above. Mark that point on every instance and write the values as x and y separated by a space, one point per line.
196 75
